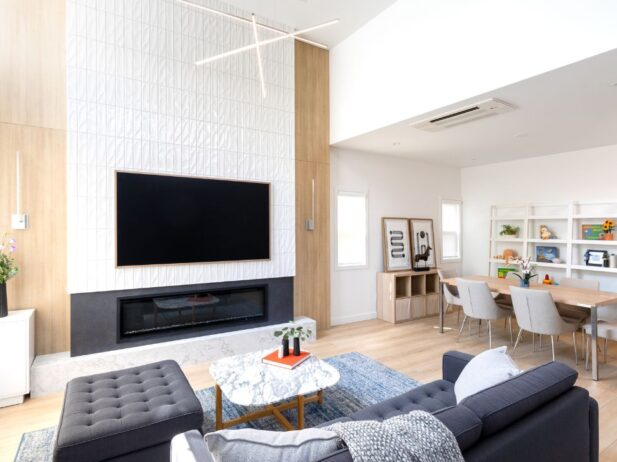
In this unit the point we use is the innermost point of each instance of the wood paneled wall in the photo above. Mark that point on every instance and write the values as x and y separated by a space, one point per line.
33 121
312 281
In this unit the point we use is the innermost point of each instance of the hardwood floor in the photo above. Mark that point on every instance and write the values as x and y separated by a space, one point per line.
413 348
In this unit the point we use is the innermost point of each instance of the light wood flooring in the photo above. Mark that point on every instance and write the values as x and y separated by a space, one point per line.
413 348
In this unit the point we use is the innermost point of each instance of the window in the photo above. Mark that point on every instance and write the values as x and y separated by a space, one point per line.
451 230
351 228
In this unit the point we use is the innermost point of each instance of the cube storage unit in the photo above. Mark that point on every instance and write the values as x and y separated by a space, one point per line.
407 295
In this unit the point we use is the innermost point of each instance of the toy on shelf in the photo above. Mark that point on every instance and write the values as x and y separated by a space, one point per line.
547 280
546 234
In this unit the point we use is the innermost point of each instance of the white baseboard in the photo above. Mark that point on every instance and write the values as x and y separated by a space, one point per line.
338 320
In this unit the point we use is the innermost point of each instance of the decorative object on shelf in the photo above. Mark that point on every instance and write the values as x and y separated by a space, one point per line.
509 254
592 232
547 280
423 241
608 226
546 234
297 333
597 258
8 269
509 231
525 266
502 272
612 259
396 244
545 254
556 261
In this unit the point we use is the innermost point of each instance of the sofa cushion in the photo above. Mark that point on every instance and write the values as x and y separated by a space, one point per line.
463 423
430 397
501 405
251 445
115 413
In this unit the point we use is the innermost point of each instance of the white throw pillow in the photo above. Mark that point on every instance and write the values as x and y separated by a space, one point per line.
485 370
251 445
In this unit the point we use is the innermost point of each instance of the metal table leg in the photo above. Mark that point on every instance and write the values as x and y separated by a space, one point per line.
594 343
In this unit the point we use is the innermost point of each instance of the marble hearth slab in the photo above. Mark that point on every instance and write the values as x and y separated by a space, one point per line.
50 373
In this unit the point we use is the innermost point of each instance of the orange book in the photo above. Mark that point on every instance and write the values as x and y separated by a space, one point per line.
288 362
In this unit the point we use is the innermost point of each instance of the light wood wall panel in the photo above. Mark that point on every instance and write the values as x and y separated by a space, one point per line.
33 63
33 121
312 281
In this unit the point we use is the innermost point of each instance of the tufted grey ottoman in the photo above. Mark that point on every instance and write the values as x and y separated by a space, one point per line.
127 415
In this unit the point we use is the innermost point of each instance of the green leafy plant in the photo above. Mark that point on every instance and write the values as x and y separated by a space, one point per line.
294 332
509 230
8 269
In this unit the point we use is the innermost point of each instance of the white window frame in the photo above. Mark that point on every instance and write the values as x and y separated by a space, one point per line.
365 195
458 259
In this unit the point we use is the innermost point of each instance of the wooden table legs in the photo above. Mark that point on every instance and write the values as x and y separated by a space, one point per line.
270 410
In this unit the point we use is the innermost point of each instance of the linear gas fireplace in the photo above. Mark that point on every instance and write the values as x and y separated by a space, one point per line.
104 321
187 310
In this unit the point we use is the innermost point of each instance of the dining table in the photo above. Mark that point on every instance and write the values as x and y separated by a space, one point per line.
585 298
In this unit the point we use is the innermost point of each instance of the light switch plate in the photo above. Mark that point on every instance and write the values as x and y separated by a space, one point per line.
19 221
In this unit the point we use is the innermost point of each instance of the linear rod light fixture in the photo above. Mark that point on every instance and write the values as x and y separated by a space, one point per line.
265 42
241 19
259 61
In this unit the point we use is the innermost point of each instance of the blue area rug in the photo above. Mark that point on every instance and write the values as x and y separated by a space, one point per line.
363 382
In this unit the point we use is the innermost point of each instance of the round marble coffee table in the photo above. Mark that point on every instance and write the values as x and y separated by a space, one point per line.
246 381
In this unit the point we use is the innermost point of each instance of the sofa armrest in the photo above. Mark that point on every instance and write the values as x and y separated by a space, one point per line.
453 363
594 431
189 447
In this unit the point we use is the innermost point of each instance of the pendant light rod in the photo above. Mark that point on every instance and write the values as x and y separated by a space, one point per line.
259 62
241 19
265 42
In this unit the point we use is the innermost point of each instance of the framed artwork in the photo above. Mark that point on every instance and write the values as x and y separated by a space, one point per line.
545 254
396 244
422 243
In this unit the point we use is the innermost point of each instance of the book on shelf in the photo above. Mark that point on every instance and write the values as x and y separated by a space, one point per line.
287 362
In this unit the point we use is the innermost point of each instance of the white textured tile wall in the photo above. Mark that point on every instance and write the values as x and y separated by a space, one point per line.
136 101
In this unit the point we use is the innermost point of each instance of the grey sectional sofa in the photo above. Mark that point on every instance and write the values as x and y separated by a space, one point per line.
539 415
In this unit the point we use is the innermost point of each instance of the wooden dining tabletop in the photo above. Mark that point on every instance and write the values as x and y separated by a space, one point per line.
586 298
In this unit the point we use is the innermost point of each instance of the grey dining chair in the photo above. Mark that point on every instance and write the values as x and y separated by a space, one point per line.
450 293
536 313
478 303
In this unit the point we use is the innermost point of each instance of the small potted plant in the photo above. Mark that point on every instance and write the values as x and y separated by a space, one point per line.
297 333
8 269
608 226
525 273
509 231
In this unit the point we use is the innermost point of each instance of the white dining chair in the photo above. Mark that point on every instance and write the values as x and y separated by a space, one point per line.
478 303
575 313
606 330
536 313
450 293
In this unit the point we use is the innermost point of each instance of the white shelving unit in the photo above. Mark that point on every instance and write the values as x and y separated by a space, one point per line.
565 220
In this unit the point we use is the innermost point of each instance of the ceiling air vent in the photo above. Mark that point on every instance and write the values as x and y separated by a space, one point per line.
463 115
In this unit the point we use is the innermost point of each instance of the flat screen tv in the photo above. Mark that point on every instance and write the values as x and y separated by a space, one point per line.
164 219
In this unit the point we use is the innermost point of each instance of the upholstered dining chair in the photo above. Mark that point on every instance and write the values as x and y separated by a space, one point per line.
478 303
536 313
450 293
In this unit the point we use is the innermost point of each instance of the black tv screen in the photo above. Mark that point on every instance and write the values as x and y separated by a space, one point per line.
169 219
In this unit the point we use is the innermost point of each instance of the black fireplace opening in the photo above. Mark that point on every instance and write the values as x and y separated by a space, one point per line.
153 314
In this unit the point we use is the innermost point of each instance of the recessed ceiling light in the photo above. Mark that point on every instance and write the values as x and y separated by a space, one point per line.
396 143
614 84
521 135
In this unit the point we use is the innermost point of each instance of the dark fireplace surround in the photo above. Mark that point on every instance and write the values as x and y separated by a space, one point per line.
112 320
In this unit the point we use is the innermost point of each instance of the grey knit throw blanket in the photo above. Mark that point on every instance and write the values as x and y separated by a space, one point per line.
414 437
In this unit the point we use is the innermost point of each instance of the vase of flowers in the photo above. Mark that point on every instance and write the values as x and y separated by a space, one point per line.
608 226
297 333
8 269
525 273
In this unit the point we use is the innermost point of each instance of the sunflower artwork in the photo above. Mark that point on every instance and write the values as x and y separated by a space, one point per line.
608 226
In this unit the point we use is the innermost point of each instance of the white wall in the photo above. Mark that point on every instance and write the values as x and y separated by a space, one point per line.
586 175
396 187
418 56
136 101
